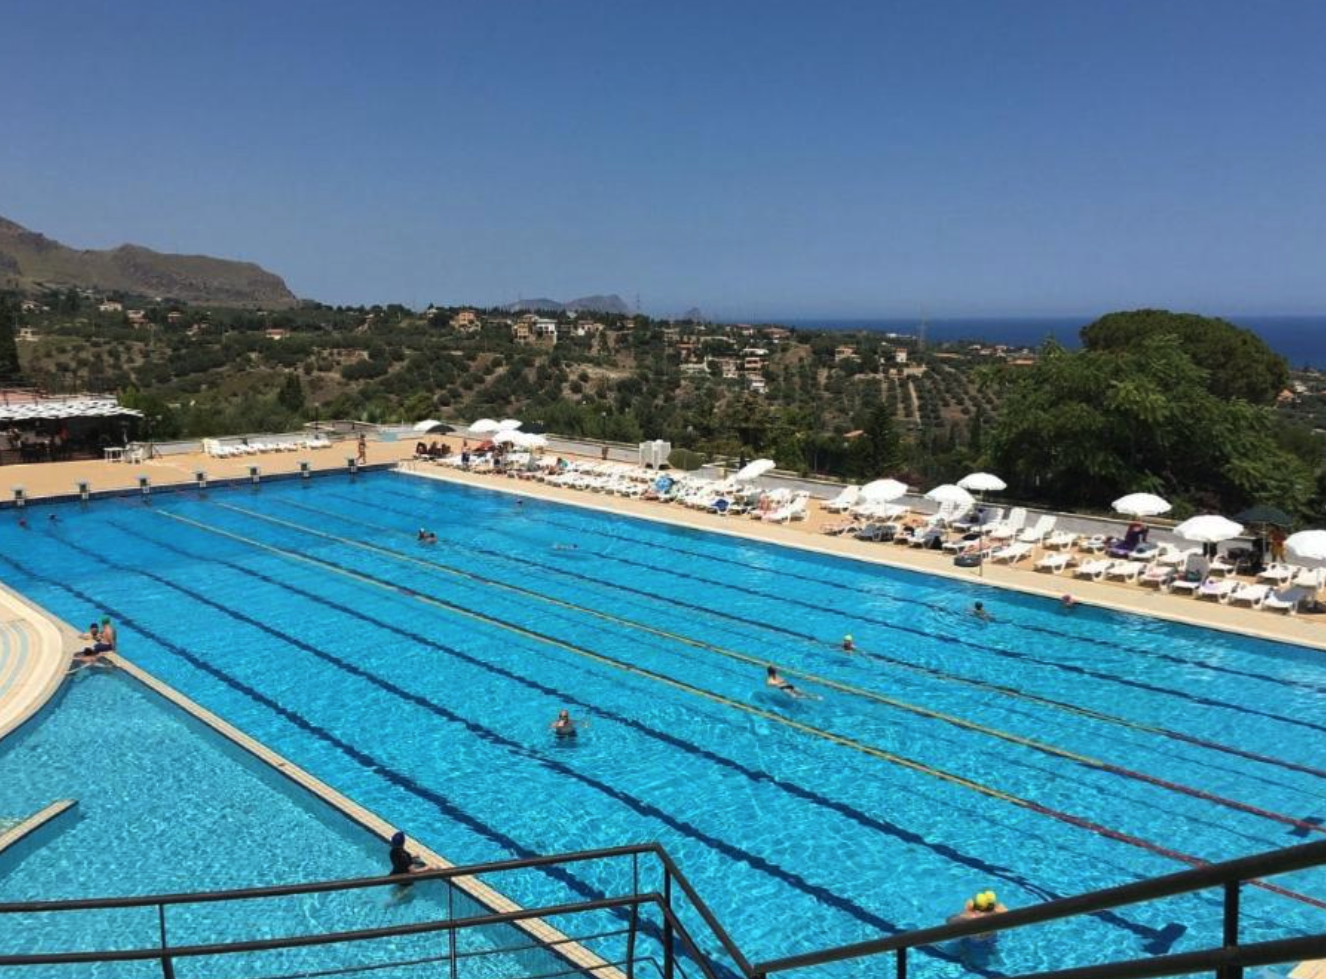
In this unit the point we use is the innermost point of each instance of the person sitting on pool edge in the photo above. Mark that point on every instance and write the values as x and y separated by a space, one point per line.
564 726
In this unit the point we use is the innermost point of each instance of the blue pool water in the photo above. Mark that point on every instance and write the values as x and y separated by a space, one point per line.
1040 755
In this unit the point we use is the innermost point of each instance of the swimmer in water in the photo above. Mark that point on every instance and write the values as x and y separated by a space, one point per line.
1068 603
772 679
980 612
982 905
849 644
565 547
564 726
426 536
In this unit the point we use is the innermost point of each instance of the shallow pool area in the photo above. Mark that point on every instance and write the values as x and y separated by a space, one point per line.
1041 754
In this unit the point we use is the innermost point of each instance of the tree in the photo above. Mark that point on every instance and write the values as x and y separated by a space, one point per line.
1080 429
9 366
1238 362
291 395
878 450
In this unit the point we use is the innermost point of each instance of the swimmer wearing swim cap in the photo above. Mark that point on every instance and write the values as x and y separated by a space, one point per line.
849 644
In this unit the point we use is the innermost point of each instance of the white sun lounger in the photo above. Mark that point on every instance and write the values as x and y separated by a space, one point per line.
1254 595
1218 588
1278 573
1158 574
1009 528
1059 540
1055 563
1287 599
844 501
1125 570
1094 569
1036 534
1012 553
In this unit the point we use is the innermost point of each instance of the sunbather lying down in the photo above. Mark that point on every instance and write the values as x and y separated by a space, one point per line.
844 526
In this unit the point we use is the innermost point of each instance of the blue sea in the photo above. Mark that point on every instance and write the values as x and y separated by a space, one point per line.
1300 339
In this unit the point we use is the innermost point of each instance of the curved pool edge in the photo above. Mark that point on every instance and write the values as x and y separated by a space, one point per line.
42 664
1132 600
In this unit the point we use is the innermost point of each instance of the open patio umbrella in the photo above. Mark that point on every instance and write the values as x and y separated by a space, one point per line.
950 493
1210 528
431 425
1307 545
529 440
506 438
485 426
982 483
883 491
509 424
1141 505
753 470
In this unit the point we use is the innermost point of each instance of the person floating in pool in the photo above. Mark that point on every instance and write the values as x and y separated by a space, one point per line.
773 679
426 536
564 726
980 946
1068 603
979 610
849 644
565 547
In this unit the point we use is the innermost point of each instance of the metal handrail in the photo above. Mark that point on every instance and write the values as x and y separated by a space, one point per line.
1231 872
1228 960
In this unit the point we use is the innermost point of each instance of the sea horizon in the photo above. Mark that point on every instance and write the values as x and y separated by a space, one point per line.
1300 339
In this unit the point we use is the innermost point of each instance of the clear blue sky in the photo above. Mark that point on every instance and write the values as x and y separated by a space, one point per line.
751 158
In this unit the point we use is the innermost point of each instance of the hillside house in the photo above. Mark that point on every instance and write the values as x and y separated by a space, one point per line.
466 321
276 333
27 334
110 306
587 328
545 330
844 353
136 317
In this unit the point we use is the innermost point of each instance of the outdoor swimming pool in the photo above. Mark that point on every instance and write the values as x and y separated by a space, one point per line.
1043 754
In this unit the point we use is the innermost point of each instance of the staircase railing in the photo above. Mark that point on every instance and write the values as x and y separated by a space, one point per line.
667 947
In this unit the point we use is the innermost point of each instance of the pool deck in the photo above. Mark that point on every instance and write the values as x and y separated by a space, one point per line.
37 656
1302 630
47 479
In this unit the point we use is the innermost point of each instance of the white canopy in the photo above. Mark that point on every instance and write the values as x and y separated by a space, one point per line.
1141 505
428 425
753 470
485 426
530 440
1209 528
949 493
982 483
508 424
506 438
883 491
53 409
1308 545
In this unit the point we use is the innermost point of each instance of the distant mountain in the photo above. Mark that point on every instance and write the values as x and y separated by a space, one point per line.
588 304
30 262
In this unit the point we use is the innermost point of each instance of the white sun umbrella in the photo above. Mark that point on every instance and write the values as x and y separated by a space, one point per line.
529 440
506 438
982 483
1141 505
508 424
754 470
485 426
1307 545
883 491
428 425
950 493
1209 528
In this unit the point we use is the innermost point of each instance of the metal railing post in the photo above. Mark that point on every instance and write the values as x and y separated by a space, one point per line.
167 964
635 917
1233 890
902 962
667 924
451 932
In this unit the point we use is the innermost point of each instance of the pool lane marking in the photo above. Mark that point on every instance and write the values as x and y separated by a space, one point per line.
492 737
1157 941
921 669
842 740
1028 627
962 723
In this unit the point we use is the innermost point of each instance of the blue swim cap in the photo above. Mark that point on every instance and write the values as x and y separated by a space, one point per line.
398 839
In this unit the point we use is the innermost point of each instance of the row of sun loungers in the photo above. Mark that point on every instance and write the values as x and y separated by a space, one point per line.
219 451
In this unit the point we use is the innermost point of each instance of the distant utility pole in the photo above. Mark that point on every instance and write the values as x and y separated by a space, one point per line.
637 304
920 340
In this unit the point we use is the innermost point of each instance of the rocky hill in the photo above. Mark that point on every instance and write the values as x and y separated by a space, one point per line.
30 262
589 304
